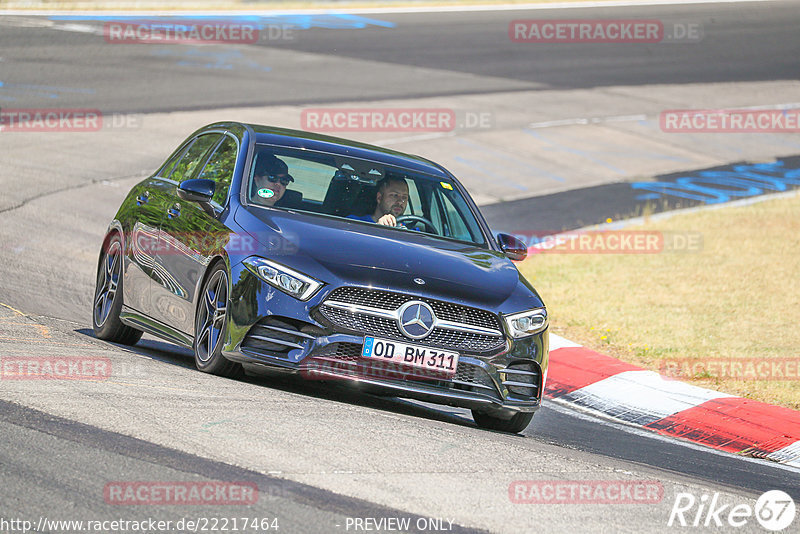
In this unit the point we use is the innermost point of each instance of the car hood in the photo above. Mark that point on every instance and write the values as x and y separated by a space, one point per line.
341 252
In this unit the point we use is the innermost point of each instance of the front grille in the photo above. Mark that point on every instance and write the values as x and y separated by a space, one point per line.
364 323
387 300
474 378
340 351
369 297
473 374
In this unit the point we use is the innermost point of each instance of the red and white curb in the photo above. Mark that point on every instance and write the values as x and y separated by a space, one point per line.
646 399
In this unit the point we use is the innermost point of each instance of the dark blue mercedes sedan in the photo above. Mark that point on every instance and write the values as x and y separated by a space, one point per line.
300 253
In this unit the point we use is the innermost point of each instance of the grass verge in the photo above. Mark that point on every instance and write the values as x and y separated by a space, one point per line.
726 316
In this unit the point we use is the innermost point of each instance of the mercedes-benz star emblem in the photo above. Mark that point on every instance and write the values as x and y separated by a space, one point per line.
416 319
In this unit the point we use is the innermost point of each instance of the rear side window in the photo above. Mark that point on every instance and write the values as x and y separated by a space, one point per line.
186 165
166 170
220 168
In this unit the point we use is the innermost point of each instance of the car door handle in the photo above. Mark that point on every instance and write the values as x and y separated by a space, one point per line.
143 198
173 212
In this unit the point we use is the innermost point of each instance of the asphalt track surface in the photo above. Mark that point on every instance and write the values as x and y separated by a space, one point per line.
579 208
421 55
62 444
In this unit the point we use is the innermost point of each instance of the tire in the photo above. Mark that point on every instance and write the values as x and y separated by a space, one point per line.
517 423
211 326
107 301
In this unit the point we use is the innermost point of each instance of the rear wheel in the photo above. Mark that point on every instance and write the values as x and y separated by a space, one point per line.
517 423
108 298
211 326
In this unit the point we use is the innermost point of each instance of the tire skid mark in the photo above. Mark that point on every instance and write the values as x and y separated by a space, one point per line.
51 192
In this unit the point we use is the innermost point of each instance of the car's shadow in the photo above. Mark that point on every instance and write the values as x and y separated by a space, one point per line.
335 391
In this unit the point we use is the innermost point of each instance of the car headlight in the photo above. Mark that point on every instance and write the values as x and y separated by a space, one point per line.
288 280
526 323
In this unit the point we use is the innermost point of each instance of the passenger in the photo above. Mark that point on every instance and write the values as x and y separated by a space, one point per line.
392 199
271 179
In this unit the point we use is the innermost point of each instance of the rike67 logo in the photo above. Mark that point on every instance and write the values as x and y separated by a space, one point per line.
774 510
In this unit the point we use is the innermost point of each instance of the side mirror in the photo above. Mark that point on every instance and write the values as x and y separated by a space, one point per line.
512 247
198 190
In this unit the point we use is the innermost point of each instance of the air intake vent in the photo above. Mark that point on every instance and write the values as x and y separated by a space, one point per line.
274 337
521 378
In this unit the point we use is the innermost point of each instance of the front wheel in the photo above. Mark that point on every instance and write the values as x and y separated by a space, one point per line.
211 326
517 423
108 298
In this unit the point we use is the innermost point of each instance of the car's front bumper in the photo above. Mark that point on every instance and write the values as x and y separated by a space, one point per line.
273 330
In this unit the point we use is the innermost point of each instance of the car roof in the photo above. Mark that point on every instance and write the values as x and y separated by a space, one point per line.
286 137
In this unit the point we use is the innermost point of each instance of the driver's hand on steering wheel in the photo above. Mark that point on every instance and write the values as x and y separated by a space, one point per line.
388 220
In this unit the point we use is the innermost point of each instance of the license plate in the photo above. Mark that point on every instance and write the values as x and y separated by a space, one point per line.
443 362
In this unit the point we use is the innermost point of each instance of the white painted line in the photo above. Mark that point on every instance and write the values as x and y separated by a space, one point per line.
583 121
387 10
558 342
631 394
788 105
78 28
412 138
560 122
625 118
789 455
588 120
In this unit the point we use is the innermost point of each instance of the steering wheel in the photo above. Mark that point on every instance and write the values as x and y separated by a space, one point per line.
416 218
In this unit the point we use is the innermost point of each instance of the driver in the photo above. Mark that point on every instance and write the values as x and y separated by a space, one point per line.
392 197
271 178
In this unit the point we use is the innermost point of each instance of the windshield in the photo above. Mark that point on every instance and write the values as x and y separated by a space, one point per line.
360 190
